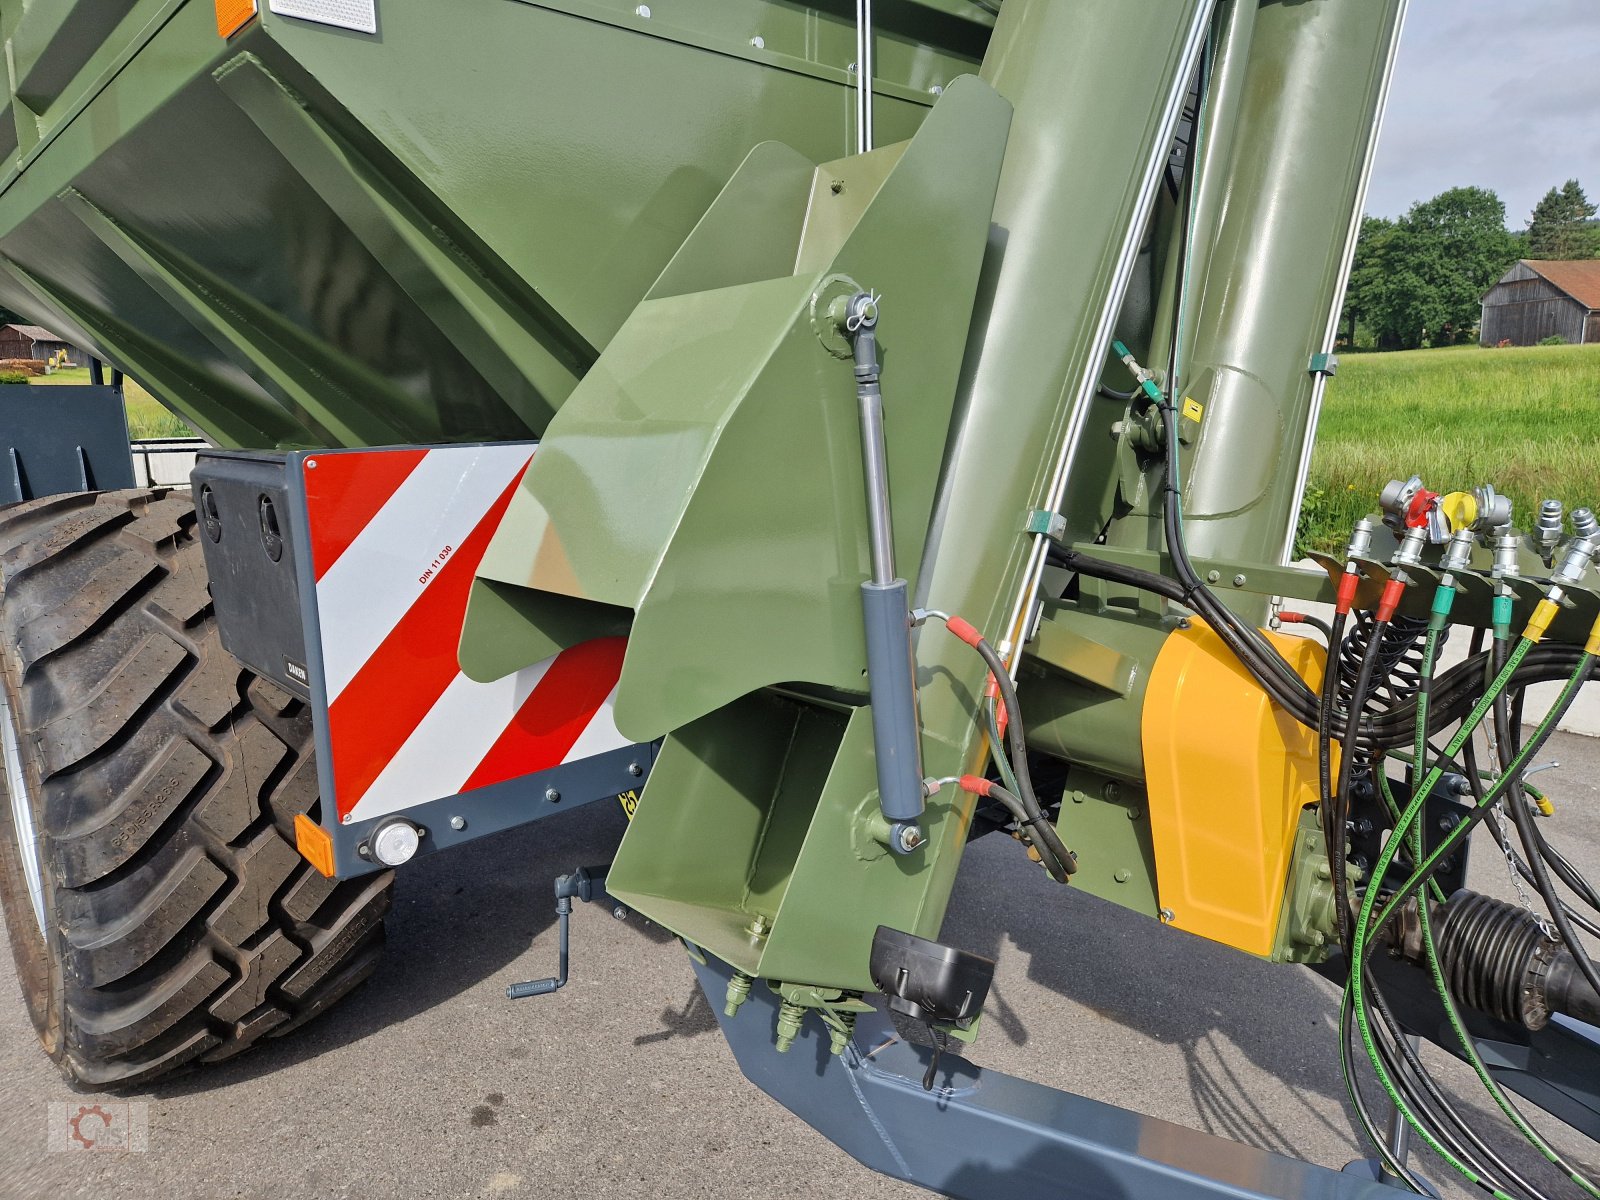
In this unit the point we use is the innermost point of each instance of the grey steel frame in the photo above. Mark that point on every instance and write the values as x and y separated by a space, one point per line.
982 1135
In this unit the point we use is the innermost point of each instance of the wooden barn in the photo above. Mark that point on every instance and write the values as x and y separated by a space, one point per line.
32 341
1537 299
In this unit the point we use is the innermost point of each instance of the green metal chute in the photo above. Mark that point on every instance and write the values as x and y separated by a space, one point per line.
706 474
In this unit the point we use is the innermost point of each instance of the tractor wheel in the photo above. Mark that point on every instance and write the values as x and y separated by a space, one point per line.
158 911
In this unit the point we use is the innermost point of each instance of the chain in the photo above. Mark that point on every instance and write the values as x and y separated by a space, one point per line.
1499 814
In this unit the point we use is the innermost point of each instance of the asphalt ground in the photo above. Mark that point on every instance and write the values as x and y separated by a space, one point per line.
427 1082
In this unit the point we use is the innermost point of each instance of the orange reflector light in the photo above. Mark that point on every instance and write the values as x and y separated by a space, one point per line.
314 844
231 17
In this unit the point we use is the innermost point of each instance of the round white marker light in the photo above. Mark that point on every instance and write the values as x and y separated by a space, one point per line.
395 842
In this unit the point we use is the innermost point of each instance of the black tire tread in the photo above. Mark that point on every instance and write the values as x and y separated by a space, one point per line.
186 924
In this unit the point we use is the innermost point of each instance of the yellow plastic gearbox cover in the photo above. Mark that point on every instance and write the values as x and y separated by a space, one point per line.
1228 773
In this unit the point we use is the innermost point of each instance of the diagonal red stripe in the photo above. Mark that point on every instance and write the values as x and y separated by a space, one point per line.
345 491
560 707
381 707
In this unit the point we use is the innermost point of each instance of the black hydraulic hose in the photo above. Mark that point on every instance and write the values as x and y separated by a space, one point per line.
1454 693
1029 826
1568 874
1332 836
1316 623
1303 708
1347 764
1422 1094
1572 878
1111 393
1017 736
1440 1102
1517 801
1459 833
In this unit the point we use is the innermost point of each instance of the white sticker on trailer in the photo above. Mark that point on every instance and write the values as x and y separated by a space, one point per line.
360 15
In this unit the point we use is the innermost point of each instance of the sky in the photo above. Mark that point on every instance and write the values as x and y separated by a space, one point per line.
1502 94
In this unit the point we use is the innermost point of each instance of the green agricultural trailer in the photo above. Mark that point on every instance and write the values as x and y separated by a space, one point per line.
834 432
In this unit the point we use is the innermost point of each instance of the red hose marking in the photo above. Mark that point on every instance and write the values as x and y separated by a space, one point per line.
1392 591
964 631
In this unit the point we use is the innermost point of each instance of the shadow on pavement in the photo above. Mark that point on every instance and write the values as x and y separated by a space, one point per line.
459 917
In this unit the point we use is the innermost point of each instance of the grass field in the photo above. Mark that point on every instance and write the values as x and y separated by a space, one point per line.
146 417
1525 420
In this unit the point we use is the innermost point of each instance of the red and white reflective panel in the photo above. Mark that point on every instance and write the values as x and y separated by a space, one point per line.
396 537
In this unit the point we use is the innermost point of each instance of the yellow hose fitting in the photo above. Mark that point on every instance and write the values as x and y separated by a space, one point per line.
1545 807
1460 509
1539 623
1592 646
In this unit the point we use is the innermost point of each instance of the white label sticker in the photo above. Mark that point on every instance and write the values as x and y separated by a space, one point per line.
360 15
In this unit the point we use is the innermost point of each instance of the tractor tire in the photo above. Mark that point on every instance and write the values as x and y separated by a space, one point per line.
159 913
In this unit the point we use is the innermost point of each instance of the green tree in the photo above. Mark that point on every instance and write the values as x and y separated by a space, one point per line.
1420 280
1559 228
1365 295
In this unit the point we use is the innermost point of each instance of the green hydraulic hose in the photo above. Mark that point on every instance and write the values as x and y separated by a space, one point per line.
1426 868
997 747
1354 992
1444 597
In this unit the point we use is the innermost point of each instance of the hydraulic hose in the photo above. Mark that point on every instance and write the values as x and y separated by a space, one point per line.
1531 838
1332 835
1443 601
1454 691
1058 860
1425 869
1030 826
1358 978
1019 756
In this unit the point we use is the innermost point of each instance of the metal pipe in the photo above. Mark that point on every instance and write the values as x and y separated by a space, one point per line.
1193 37
864 72
862 327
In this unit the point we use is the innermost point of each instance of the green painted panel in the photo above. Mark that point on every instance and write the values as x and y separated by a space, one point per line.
465 207
707 472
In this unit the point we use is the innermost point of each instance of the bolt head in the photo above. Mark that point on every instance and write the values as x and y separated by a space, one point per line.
635 770
1122 876
1168 916
553 796
1238 581
911 837
458 823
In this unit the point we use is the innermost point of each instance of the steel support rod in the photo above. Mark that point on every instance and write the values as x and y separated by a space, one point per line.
864 72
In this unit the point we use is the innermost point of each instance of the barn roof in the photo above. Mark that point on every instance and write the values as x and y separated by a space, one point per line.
36 333
1579 279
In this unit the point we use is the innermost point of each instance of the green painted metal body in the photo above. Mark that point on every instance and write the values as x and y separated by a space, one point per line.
306 236
626 234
